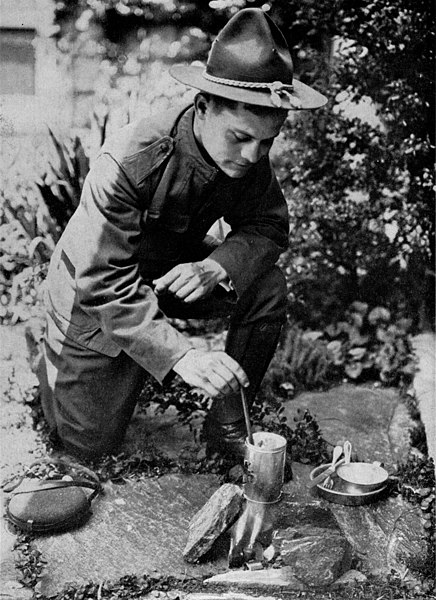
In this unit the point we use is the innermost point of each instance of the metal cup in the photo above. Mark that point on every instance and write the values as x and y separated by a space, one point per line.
265 467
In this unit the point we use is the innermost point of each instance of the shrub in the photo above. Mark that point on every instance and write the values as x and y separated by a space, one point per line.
34 212
359 187
363 346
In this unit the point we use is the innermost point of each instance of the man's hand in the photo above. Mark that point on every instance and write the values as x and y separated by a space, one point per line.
213 373
191 281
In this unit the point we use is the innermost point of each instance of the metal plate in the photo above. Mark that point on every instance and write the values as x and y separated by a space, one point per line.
340 497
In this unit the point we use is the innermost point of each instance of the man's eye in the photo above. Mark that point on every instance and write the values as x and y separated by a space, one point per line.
240 138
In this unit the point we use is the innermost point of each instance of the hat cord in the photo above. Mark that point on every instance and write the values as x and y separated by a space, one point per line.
276 88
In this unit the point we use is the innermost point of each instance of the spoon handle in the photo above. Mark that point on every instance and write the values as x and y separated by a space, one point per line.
347 451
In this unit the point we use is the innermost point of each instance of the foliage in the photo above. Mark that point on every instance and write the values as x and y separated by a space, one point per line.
364 345
416 483
34 212
61 185
361 190
306 441
27 238
191 407
302 361
369 343
28 560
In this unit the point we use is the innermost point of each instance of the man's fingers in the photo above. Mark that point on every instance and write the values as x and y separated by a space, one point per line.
227 375
235 368
189 282
219 382
182 288
190 293
164 282
216 373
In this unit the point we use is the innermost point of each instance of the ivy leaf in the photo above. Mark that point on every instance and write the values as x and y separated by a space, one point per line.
359 307
357 353
354 370
379 315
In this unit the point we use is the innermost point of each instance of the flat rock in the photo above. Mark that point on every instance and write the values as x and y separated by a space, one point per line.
283 577
350 577
12 590
363 415
384 534
137 528
212 520
317 555
424 382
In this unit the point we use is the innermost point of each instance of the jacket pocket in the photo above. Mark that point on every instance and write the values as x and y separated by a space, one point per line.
92 338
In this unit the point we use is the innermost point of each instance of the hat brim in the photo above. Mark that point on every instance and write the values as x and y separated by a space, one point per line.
305 97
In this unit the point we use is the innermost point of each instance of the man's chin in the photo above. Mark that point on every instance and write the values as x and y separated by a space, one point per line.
235 172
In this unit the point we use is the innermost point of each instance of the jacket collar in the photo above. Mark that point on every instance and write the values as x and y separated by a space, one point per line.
189 147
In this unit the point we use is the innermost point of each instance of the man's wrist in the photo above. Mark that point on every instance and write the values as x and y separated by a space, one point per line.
179 364
219 272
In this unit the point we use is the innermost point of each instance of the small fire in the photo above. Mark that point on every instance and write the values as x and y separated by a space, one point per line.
255 524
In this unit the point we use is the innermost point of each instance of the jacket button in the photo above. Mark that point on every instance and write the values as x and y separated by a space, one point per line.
164 147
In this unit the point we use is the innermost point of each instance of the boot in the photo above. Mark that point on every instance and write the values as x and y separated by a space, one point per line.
227 440
253 346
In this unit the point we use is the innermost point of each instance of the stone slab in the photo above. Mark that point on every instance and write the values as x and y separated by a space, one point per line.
138 528
318 555
268 578
213 519
364 415
424 384
163 431
381 535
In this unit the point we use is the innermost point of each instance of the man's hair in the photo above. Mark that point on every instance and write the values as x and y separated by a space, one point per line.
221 103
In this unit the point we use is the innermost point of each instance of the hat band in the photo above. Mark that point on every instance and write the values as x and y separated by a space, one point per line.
276 88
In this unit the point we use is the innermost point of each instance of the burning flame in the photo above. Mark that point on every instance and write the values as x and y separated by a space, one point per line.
254 523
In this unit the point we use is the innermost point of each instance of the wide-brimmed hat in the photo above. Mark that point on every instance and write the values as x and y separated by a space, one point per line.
250 62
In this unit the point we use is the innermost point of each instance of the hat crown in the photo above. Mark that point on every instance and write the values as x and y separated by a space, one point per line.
251 48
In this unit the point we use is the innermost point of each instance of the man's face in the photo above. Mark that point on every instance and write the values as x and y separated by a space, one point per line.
236 138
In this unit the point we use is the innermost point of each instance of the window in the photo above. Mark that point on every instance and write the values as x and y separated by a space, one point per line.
17 61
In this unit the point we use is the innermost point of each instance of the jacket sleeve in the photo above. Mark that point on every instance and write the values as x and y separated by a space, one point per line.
259 230
109 286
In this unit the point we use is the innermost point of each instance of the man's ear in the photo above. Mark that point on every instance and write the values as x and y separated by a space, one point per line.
201 104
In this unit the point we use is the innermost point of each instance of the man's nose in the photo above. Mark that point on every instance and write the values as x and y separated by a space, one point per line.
251 152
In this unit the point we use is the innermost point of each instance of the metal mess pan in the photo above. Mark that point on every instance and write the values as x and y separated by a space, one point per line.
339 496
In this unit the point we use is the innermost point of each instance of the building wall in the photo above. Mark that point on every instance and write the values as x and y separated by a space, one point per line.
71 88
34 86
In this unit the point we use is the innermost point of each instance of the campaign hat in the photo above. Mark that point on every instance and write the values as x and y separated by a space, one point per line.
250 62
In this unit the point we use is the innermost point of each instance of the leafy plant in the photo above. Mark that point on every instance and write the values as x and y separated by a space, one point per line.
190 406
416 483
302 361
61 185
306 441
358 174
29 228
28 560
368 344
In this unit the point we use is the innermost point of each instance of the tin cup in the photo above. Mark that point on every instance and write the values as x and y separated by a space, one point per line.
265 467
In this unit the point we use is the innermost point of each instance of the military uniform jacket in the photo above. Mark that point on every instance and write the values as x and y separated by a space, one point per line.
147 202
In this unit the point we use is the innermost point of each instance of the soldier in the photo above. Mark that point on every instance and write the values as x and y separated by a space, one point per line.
136 251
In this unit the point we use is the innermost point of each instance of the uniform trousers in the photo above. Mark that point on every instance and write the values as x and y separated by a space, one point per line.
88 398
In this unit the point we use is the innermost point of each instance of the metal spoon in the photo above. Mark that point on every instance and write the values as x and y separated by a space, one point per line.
329 482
